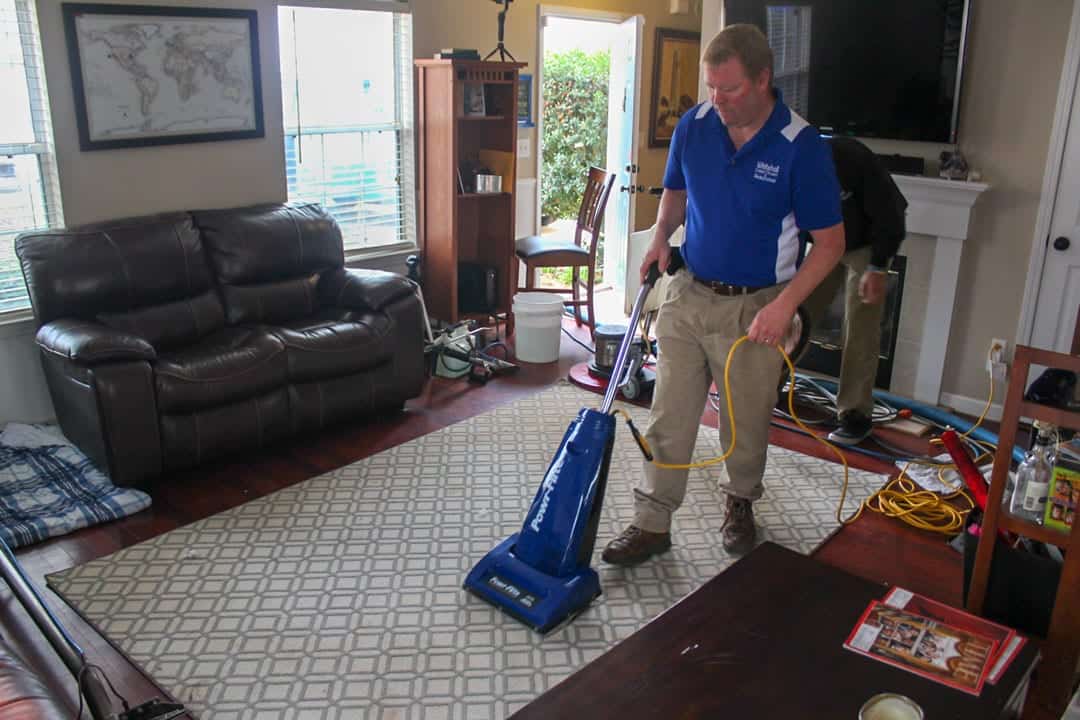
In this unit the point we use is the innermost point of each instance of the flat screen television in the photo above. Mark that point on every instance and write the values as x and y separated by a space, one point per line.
869 68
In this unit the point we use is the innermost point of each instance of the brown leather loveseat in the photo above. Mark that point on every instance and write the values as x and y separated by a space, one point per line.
170 339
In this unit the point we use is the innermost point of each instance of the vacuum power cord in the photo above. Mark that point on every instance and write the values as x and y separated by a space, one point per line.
900 498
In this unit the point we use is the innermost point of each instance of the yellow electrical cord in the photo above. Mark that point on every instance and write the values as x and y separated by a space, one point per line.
900 498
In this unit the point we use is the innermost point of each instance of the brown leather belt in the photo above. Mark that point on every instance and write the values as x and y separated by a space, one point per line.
723 288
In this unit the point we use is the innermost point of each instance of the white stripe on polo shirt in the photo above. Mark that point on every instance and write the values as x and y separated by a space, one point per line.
787 249
793 128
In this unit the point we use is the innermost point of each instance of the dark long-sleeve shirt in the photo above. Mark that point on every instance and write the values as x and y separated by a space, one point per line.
872 205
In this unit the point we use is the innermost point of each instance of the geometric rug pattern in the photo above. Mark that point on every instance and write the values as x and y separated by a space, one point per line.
341 597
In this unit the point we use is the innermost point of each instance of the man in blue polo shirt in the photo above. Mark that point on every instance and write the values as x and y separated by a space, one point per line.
746 175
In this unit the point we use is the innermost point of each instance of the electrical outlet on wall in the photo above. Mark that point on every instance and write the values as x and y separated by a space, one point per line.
995 359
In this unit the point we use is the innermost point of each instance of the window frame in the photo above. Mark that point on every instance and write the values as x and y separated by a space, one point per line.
42 147
402 126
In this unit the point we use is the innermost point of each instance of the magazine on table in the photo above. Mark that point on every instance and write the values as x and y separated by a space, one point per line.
937 651
1009 642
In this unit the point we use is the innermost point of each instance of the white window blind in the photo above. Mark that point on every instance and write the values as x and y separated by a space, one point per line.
348 108
789 37
29 190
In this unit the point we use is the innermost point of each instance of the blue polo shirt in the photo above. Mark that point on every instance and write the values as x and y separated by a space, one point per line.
744 209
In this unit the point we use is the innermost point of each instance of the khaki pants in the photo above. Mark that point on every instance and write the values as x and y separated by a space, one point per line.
862 331
695 329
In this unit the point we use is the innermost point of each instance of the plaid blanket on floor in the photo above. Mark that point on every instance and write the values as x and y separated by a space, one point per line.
48 488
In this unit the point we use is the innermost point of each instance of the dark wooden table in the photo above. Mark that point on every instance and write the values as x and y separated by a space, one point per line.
764 639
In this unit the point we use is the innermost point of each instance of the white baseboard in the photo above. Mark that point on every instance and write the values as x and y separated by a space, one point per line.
971 406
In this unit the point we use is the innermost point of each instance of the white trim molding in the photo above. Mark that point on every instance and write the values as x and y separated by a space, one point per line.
941 209
1054 157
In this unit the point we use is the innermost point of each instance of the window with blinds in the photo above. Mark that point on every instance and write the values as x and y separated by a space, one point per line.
29 190
347 99
789 38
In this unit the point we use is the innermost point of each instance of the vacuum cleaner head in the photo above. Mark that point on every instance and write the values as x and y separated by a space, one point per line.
541 575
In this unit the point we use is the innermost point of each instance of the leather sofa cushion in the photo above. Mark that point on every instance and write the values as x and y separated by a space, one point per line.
230 365
335 342
113 267
272 302
171 324
270 242
266 257
25 694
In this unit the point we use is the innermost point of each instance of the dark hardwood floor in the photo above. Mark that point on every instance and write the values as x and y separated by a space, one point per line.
873 547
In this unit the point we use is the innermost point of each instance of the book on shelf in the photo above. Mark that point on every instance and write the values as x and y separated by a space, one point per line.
1063 496
458 54
938 651
1009 642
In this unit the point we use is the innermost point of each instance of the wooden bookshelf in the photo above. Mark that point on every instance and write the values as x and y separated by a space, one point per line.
456 226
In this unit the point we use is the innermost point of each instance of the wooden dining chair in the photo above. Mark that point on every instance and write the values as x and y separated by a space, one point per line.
577 252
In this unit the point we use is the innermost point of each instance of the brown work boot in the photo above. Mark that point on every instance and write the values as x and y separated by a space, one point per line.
738 529
635 545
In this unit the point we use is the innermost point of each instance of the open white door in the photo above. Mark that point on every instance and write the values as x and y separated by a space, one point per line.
622 147
1059 290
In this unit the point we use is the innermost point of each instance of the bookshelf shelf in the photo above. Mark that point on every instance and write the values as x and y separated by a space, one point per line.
1061 651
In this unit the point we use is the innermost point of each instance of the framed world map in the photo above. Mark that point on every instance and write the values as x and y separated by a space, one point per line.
145 75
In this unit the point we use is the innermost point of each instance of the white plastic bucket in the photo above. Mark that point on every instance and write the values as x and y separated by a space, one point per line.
538 323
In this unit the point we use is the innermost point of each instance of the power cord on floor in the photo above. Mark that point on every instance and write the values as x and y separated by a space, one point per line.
901 498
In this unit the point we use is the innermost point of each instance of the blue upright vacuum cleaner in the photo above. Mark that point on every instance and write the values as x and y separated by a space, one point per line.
541 575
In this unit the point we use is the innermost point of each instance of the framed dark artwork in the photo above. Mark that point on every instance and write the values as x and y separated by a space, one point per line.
676 73
146 75
524 100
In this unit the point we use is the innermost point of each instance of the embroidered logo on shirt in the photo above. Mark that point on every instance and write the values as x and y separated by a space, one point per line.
766 172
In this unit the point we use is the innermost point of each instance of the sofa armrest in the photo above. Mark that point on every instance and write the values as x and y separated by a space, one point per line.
89 343
357 289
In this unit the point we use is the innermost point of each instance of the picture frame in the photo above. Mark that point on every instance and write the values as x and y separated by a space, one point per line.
473 96
676 76
145 75
524 100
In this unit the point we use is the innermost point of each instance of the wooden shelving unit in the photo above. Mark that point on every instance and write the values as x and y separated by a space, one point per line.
1057 672
456 226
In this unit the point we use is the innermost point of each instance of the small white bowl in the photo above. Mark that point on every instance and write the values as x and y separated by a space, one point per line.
890 706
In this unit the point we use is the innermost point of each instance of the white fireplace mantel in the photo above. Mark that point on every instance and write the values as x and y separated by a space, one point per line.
941 209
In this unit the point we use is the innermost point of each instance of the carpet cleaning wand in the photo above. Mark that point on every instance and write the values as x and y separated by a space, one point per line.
541 574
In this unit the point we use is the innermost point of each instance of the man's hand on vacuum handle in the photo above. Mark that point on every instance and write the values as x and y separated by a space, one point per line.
671 215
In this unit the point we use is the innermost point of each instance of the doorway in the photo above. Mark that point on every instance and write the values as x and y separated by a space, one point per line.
587 107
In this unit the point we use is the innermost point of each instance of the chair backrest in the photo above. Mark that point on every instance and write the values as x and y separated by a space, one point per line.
593 203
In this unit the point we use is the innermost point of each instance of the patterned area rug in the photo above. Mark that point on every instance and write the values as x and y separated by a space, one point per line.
341 597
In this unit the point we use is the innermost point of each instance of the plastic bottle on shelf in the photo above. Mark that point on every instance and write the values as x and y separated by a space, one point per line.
1033 476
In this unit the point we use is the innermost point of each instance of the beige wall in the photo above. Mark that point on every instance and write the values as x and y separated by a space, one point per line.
473 24
1008 102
